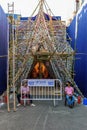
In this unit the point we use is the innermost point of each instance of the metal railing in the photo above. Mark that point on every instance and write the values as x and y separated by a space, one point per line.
44 89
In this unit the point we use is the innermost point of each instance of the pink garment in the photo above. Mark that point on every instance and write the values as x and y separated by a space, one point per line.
69 90
24 90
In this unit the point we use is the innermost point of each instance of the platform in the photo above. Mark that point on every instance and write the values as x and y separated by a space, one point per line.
44 116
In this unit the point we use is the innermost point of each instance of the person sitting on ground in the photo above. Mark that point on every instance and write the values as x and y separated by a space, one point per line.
24 90
69 91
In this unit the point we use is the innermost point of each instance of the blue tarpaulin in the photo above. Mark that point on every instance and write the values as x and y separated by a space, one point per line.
78 32
47 17
3 50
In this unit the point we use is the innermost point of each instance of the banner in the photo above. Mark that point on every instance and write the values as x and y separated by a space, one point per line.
41 82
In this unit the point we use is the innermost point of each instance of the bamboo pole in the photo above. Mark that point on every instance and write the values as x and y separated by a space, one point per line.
14 96
11 12
8 104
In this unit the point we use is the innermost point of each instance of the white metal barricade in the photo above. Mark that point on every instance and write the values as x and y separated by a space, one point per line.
44 89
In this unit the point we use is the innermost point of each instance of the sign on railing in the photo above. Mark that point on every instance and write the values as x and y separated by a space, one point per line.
41 82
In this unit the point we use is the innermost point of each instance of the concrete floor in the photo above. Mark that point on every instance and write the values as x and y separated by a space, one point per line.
44 116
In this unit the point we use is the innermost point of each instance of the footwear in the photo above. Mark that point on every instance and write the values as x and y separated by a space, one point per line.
65 103
33 105
18 105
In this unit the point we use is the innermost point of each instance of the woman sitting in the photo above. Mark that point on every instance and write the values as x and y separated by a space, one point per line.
69 91
24 91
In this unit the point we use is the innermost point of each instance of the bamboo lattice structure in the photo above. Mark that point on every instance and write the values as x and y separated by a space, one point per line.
41 35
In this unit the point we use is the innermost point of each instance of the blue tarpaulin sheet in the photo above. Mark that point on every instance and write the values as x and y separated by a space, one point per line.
3 50
78 32
47 17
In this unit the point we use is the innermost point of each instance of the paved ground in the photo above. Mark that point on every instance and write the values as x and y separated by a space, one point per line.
44 116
